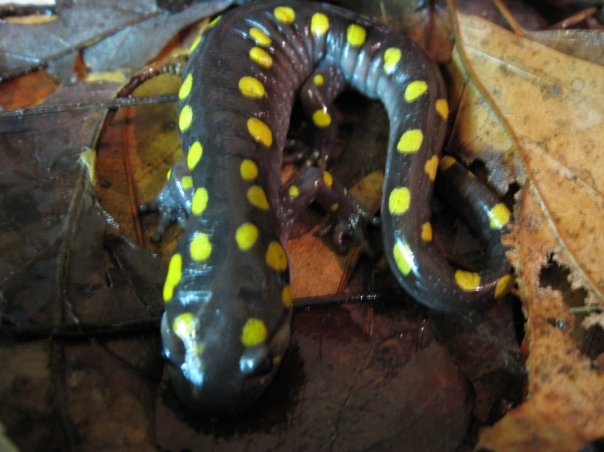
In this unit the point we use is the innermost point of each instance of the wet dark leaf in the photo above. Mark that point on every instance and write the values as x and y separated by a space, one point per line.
115 35
55 259
341 388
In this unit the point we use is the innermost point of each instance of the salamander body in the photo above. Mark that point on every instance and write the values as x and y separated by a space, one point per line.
227 296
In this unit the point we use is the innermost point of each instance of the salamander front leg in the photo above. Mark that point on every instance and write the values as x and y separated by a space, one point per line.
355 226
173 202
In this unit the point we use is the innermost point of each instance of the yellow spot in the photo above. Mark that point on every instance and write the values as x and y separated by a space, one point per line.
246 236
261 57
184 326
321 118
391 58
201 247
248 170
293 191
195 44
254 332
318 79
442 108
431 166
185 88
260 132
173 276
427 232
168 174
415 90
499 216
334 207
194 155
355 35
403 257
327 178
503 286
199 202
399 200
286 296
319 24
214 21
410 141
251 87
257 197
285 14
187 182
445 163
467 281
275 256
185 118
260 37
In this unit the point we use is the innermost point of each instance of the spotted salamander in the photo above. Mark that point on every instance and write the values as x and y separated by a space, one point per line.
227 295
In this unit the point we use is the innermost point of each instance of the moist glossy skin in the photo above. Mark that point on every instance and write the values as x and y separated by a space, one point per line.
227 296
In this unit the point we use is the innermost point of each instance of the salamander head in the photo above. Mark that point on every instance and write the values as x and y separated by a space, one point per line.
221 358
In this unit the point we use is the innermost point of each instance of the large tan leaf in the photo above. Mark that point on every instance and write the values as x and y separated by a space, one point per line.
551 106
548 109
565 405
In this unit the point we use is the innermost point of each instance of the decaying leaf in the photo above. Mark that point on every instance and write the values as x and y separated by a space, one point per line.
565 403
549 109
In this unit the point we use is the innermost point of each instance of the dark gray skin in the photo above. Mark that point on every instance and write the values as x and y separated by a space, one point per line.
213 371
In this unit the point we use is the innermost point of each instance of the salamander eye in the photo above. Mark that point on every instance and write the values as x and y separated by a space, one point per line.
256 361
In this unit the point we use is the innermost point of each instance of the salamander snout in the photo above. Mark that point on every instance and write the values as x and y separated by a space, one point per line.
217 377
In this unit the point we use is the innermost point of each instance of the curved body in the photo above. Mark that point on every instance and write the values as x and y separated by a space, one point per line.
228 302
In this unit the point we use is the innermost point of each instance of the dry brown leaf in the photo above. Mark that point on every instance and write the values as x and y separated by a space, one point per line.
565 405
134 156
477 131
585 44
550 107
26 91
